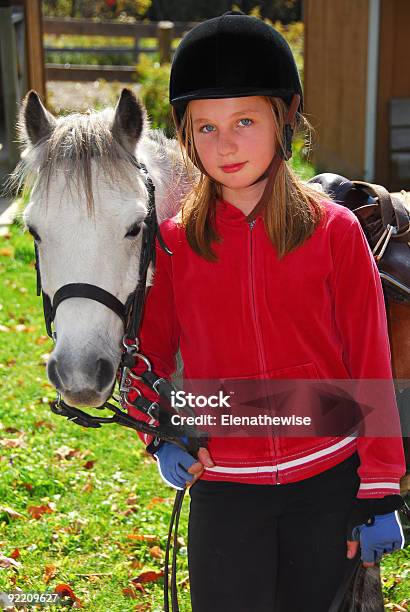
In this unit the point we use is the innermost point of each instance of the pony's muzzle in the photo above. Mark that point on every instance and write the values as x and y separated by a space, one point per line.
84 384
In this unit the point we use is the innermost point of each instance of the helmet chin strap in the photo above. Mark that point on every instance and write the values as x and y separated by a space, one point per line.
265 174
279 156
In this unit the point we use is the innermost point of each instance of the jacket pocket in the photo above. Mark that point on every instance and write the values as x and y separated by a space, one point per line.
306 371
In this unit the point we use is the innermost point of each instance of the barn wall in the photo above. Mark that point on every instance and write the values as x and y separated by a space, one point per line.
394 82
336 34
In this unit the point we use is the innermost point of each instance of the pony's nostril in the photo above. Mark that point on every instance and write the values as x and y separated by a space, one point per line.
105 374
53 374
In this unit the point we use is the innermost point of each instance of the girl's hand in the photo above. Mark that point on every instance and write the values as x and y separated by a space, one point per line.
204 461
177 467
379 535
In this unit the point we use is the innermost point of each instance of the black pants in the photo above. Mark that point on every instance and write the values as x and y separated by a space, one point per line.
265 548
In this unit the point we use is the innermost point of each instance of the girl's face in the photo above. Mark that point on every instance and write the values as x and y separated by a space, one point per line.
234 138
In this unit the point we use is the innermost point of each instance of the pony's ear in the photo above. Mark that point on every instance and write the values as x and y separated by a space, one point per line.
129 120
35 120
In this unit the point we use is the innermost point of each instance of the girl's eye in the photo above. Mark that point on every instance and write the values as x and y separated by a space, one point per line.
246 119
205 126
133 231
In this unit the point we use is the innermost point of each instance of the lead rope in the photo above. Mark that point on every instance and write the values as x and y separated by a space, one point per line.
175 515
350 574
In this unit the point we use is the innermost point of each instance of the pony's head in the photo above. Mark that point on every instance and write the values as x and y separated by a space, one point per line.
88 203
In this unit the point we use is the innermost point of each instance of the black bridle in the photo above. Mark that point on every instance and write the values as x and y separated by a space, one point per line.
130 314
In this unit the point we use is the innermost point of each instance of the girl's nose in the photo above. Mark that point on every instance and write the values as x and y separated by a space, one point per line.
226 144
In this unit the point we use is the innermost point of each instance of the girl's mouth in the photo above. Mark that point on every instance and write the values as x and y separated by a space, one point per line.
232 167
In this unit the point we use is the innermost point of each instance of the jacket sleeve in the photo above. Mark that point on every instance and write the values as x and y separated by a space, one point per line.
159 333
360 317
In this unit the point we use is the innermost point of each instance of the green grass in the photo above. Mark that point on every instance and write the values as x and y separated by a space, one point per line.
87 532
96 506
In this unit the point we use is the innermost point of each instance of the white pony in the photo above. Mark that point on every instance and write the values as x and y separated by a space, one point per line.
87 204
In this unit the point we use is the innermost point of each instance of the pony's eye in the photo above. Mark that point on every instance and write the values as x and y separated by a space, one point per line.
33 232
133 231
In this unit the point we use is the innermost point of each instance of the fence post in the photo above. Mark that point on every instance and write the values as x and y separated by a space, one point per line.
165 35
34 42
135 53
11 91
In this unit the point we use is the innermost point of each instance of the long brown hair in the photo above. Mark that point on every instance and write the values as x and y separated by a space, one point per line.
293 209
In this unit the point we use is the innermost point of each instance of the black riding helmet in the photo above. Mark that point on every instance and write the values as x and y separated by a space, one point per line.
232 56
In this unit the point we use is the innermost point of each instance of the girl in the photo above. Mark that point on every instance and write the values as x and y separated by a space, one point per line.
266 280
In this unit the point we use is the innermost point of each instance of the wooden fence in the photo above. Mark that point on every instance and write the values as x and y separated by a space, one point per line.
12 83
163 31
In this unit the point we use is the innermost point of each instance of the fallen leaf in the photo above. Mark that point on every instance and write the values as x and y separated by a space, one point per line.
75 526
13 442
64 590
132 499
15 554
184 582
129 510
41 340
148 576
6 562
135 564
89 465
6 252
156 500
156 552
12 513
38 511
130 592
49 572
142 538
65 452
88 487
94 578
44 423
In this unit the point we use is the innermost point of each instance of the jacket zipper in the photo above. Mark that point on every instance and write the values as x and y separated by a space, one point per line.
258 333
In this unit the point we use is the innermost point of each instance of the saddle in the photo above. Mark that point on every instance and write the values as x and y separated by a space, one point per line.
385 220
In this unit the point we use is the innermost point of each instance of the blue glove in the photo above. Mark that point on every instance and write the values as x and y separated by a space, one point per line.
381 534
173 463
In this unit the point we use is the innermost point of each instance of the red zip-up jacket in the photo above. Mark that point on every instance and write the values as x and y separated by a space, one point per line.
318 313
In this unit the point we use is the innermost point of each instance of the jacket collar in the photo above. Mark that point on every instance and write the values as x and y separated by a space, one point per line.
225 211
